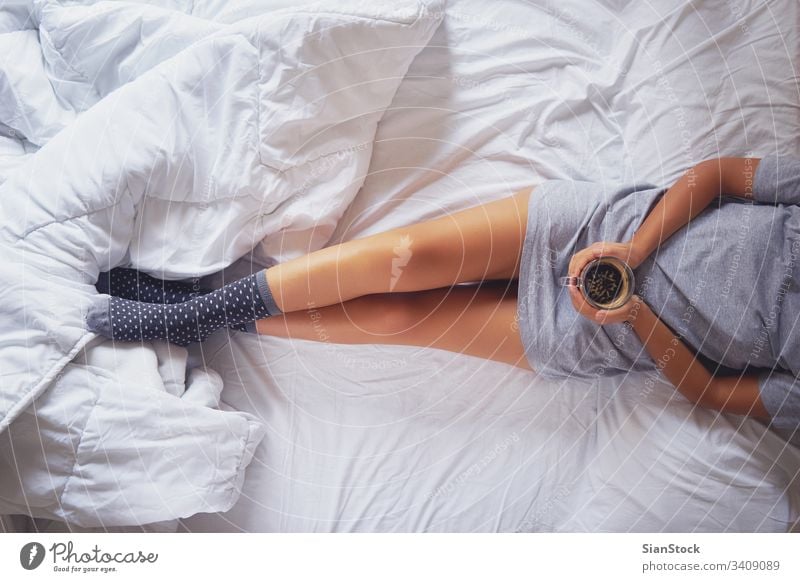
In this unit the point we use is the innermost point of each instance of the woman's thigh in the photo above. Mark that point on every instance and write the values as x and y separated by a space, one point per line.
476 244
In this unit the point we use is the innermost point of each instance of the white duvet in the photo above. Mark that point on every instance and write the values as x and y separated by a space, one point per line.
147 136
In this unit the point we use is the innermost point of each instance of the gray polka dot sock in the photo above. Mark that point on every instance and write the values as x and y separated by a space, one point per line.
133 284
184 323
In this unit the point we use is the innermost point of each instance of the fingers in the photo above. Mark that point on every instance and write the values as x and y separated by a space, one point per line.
621 251
620 314
580 259
599 316
576 298
580 303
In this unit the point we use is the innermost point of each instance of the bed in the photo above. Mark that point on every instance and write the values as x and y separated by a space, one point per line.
502 96
506 94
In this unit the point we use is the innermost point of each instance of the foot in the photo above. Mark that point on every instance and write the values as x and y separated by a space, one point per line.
138 286
237 303
136 321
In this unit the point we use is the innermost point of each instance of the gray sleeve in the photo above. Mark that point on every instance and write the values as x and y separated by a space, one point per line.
777 180
780 393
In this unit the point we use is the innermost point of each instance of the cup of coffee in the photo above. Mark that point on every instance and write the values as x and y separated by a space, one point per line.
605 283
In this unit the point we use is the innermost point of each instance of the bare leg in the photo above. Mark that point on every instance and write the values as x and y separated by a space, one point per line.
476 320
480 243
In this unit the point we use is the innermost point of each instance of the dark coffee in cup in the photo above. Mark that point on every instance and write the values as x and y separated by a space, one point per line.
605 282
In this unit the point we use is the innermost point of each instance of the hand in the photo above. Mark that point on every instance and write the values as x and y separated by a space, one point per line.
624 313
626 252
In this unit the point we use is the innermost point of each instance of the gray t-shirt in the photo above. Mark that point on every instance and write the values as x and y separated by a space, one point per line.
725 283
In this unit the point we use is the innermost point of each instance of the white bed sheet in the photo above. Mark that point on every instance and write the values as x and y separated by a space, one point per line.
379 438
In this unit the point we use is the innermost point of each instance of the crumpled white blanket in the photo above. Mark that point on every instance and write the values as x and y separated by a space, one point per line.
166 139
